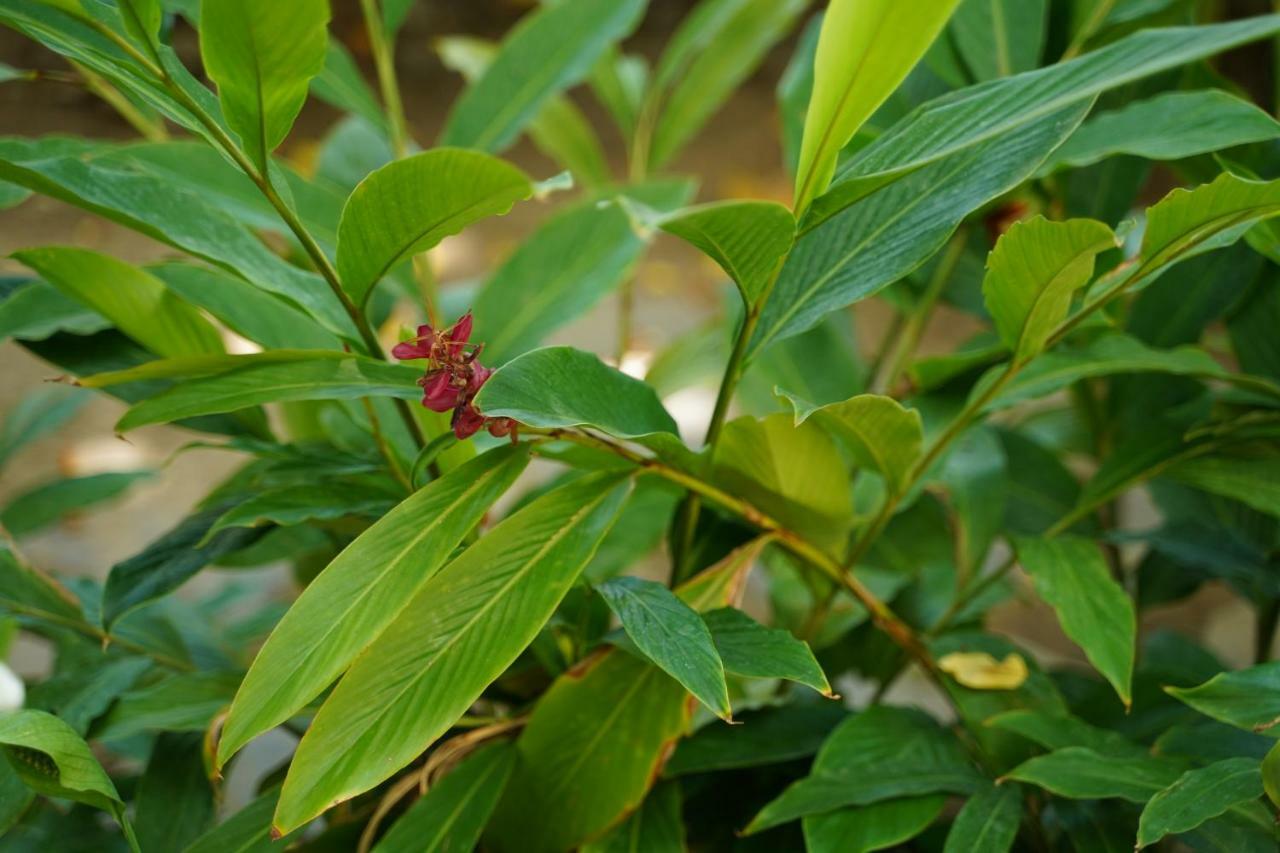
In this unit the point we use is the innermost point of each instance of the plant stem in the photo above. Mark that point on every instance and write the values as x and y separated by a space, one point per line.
385 65
384 448
918 320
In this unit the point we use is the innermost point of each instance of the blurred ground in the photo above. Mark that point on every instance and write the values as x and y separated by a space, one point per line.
736 156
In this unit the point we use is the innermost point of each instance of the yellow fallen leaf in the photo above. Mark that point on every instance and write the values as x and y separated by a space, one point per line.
981 671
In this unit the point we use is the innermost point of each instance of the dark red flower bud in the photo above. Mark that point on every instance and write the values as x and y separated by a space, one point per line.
479 375
438 393
466 421
460 331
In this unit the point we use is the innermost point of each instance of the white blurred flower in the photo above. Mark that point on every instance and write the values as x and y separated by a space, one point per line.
12 693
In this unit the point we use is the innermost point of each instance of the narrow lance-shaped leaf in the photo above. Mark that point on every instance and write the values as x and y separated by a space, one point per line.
748 239
461 630
866 48
877 430
1254 481
1199 795
361 592
998 38
1271 774
263 56
670 633
37 414
1072 577
138 303
1079 773
264 381
412 204
1032 274
453 812
961 121
656 827
881 237
1170 126
559 128
549 50
142 21
750 649
718 46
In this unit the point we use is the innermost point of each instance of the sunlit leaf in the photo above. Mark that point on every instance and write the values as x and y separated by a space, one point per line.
461 629
361 592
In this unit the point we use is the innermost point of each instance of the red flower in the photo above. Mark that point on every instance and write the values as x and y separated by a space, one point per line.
438 392
454 376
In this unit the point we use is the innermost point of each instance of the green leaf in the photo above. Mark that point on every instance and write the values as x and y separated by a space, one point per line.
1254 481
334 376
410 205
162 210
768 736
859 247
1058 731
876 430
1035 269
261 317
1072 577
47 504
1271 774
1189 222
549 50
750 649
28 591
560 271
1199 795
1248 699
718 46
340 83
988 822
169 562
362 592
36 415
1170 126
263 56
656 827
559 129
174 802
135 301
292 505
453 812
53 760
866 48
874 827
1082 774
748 239
186 702
1107 355
999 38
597 739
794 473
459 632
1003 109
883 753
558 387
795 87
246 831
671 634
37 310
142 21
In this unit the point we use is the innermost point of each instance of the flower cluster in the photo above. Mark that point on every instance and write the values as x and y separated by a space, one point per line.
454 376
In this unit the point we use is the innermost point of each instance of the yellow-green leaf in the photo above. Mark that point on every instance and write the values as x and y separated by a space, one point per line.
410 205
866 48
